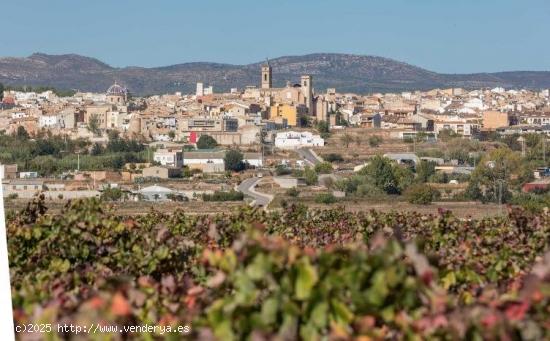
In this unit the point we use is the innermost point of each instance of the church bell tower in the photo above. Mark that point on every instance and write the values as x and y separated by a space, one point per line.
266 76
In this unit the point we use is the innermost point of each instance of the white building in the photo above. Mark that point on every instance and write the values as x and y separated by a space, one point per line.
15 115
475 103
253 159
166 157
47 121
200 90
293 139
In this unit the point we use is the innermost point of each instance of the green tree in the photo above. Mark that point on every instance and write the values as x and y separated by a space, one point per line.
21 133
346 139
495 174
97 149
381 172
310 176
323 168
1 91
303 121
206 142
111 194
323 127
234 160
93 125
172 134
424 170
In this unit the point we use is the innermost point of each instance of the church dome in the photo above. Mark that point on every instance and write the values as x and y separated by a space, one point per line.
116 90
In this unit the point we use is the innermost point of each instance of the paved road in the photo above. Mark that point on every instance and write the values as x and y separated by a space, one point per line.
247 188
309 156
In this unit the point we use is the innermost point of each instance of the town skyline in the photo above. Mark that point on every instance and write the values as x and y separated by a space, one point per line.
348 72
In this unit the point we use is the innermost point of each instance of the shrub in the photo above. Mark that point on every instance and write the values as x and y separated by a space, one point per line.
206 142
310 176
323 127
282 170
369 190
323 168
293 192
223 196
186 172
439 177
234 161
532 202
325 198
111 194
421 194
333 157
374 141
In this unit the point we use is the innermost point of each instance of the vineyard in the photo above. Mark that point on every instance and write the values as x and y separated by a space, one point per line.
297 275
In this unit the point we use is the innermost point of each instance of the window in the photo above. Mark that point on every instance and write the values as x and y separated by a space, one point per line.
265 77
25 187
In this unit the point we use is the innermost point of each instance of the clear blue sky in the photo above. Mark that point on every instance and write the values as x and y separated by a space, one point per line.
445 36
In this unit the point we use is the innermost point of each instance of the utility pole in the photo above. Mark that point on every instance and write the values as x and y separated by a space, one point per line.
544 149
500 197
414 139
78 161
522 140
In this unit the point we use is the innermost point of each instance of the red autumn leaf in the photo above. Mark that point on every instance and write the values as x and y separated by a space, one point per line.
537 296
490 320
130 223
195 290
120 305
167 320
516 311
96 302
190 301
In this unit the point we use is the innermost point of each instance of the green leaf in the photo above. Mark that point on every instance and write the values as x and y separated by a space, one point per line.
342 315
379 290
319 315
258 268
306 279
269 311
449 280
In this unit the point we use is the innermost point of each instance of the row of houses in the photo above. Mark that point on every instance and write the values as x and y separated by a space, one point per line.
206 160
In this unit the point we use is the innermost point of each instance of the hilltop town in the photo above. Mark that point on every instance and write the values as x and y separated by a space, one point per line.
184 147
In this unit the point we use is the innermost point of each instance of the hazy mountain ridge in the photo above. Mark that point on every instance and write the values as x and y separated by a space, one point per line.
345 72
